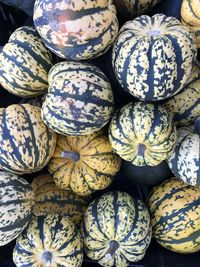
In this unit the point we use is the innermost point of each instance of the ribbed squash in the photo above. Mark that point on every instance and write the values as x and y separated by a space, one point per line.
25 63
185 106
175 216
16 206
74 29
185 159
142 133
49 241
116 229
26 144
79 101
51 199
153 57
84 164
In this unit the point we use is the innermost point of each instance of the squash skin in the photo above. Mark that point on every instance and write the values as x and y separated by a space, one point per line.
54 234
175 216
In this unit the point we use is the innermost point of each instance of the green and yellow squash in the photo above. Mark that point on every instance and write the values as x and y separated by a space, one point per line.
175 216
153 57
16 206
84 163
25 63
116 229
49 241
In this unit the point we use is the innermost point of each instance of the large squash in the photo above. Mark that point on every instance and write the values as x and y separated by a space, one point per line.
142 133
16 206
153 57
25 63
74 29
84 164
26 144
79 100
175 216
49 241
116 229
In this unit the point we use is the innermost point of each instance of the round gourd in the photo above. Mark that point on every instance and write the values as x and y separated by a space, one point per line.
49 241
74 29
26 144
142 133
51 199
25 63
79 101
185 106
175 216
153 57
16 206
116 229
84 164
185 159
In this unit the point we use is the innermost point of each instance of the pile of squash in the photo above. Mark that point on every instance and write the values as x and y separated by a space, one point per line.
69 133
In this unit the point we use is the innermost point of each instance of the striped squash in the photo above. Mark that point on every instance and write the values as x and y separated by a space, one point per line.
116 229
16 206
49 241
142 133
153 57
51 199
79 101
26 144
185 106
175 216
84 163
74 29
25 63
185 159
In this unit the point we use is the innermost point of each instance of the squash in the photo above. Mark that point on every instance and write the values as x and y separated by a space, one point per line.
84 163
25 63
153 57
185 106
26 144
142 133
76 30
116 229
51 199
36 101
185 159
79 100
175 216
16 206
51 241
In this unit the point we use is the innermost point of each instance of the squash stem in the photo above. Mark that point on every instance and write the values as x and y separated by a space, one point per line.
47 258
113 247
197 126
75 156
141 149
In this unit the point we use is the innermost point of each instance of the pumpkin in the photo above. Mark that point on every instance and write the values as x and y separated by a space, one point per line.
50 240
185 159
175 216
79 100
74 29
25 63
84 163
142 133
153 57
26 144
51 199
116 229
185 106
16 206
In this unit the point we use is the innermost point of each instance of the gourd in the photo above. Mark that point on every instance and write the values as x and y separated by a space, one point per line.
26 144
153 57
142 133
116 229
175 216
25 63
76 30
84 163
16 206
